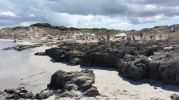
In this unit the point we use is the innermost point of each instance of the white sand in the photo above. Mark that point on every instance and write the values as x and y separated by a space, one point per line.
110 84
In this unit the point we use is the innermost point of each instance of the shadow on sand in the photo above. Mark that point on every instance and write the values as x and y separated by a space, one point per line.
154 83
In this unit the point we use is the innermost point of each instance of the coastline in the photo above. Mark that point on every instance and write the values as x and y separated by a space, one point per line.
111 85
108 82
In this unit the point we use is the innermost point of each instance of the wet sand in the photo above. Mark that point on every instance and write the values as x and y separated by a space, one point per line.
34 72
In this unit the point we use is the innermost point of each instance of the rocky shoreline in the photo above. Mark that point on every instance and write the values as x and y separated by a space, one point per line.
156 60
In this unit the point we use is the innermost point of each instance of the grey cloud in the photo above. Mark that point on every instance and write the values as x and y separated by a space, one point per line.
134 8
131 10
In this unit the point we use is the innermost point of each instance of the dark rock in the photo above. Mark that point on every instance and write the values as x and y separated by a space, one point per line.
40 54
134 67
63 84
174 97
83 79
168 66
70 87
10 91
75 61
152 71
44 94
136 60
18 93
150 51
161 65
68 94
92 92
22 47
14 97
101 59
172 48
72 81
27 95
57 80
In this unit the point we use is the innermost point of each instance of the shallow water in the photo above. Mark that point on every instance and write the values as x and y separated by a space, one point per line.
14 66
22 68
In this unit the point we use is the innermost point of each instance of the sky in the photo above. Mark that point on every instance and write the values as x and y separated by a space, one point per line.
111 14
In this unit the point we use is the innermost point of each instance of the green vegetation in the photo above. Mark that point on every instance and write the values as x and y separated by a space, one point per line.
64 29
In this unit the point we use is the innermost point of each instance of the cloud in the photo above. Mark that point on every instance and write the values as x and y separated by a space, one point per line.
87 13
71 20
27 23
7 13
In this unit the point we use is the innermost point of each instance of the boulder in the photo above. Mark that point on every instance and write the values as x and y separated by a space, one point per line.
57 80
72 81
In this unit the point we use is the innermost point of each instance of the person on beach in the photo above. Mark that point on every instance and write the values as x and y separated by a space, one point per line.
141 35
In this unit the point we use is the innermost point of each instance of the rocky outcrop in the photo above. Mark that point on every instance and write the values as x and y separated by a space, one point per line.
160 66
95 54
22 47
81 82
135 60
40 54
169 66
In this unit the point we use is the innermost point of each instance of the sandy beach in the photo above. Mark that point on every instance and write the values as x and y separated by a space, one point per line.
34 72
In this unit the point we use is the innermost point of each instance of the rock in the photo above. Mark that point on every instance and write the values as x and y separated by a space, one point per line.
10 91
28 95
40 54
174 97
18 93
92 92
62 84
150 51
168 66
70 87
75 61
162 65
134 67
135 60
57 80
169 72
101 59
22 47
44 94
68 94
156 98
72 81
152 71
172 48
83 79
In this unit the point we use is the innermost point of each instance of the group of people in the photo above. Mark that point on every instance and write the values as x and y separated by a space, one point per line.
77 36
